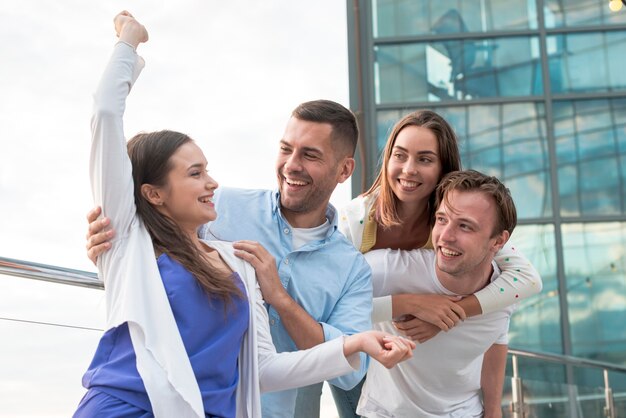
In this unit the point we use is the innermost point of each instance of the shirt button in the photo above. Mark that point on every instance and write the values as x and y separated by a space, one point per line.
286 230
272 322
286 261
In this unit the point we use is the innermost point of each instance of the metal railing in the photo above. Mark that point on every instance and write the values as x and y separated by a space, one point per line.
49 273
518 406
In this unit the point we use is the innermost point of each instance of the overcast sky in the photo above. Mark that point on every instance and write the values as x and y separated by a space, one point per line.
228 73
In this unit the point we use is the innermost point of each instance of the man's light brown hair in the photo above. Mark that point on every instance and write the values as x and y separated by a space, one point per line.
474 181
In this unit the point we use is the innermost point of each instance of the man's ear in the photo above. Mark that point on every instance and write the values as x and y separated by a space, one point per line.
500 240
152 194
346 169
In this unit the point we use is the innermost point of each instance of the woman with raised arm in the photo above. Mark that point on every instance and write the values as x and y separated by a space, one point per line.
187 332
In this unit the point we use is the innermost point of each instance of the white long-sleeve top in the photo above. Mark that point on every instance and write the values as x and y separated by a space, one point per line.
135 293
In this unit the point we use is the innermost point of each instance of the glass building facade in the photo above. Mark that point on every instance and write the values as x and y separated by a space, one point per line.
536 91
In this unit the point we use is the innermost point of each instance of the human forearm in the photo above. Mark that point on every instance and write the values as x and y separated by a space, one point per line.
518 280
470 305
305 331
290 369
492 379
438 310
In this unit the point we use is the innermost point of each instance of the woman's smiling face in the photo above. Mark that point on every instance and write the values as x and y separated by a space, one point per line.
414 167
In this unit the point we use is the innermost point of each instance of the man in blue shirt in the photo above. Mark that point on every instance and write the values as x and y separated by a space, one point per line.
316 284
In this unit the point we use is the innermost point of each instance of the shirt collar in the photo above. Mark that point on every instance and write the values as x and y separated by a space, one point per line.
331 213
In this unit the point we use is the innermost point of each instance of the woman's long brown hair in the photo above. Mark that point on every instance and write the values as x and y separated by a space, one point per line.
150 158
386 205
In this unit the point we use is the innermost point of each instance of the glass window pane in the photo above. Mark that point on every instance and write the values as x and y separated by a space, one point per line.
536 323
400 73
508 141
457 70
572 55
589 151
595 271
559 13
385 121
409 17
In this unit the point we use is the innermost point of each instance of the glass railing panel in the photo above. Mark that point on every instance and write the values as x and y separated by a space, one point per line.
620 403
553 399
590 401
49 333
541 399
562 386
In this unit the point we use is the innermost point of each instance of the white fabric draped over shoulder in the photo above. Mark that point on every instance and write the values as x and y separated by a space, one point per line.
135 293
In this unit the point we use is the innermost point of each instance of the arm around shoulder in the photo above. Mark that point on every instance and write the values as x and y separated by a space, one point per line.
518 280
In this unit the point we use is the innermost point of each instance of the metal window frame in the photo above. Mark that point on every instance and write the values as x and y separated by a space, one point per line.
361 73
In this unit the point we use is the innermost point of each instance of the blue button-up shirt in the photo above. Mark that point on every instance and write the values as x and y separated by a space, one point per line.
329 278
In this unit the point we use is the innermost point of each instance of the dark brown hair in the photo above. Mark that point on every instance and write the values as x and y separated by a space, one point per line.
342 120
474 181
150 156
386 205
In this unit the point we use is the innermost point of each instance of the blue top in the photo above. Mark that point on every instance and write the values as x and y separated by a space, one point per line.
212 335
329 278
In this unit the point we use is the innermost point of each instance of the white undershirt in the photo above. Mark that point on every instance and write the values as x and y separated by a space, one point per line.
302 236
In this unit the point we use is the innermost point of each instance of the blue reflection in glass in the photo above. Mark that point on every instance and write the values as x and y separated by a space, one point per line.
458 70
589 135
402 18
508 141
535 325
580 13
591 62
595 269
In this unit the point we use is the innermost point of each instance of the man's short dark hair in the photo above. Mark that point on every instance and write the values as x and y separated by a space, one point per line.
345 130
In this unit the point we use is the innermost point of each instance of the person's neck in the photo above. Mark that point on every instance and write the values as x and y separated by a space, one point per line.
466 283
304 219
192 233
414 214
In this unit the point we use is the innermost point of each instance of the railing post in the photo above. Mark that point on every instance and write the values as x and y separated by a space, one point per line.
609 406
517 394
